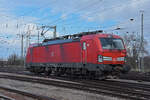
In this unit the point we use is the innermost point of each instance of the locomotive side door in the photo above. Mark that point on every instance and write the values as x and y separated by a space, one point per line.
87 51
84 52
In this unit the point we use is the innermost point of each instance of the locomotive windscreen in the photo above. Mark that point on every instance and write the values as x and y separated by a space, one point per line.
111 43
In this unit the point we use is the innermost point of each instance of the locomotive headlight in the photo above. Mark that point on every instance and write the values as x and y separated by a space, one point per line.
107 58
100 58
120 59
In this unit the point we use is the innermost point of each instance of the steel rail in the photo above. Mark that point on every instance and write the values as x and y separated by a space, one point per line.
3 97
99 89
27 94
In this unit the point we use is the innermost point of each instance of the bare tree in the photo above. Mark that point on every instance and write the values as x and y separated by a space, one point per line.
15 60
132 42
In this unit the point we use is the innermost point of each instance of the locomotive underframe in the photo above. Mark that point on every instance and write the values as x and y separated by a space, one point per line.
94 70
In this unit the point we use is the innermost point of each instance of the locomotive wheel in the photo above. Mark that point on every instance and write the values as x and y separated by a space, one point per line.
47 71
31 69
58 72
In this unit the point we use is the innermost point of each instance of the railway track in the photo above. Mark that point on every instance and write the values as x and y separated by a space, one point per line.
131 76
3 97
30 95
119 89
137 78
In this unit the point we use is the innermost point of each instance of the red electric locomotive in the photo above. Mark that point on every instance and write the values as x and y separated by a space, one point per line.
92 54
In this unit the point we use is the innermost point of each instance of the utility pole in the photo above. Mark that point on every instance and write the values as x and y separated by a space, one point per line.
38 36
22 36
54 31
27 38
29 33
22 44
22 47
142 42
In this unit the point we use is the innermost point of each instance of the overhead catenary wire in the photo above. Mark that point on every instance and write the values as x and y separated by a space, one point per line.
40 8
30 12
95 13
50 15
76 10
74 20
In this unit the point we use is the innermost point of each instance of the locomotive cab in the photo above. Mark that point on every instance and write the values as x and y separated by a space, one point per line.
112 51
112 54
105 54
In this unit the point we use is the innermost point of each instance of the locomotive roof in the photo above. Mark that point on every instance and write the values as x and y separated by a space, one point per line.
79 35
56 42
102 35
73 38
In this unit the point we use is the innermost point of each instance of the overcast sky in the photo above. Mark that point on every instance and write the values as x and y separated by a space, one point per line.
70 16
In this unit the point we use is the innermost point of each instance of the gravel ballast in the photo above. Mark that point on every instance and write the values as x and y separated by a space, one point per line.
52 91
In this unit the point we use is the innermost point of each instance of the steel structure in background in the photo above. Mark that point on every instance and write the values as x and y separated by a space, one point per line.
141 65
48 28
44 29
22 36
22 44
